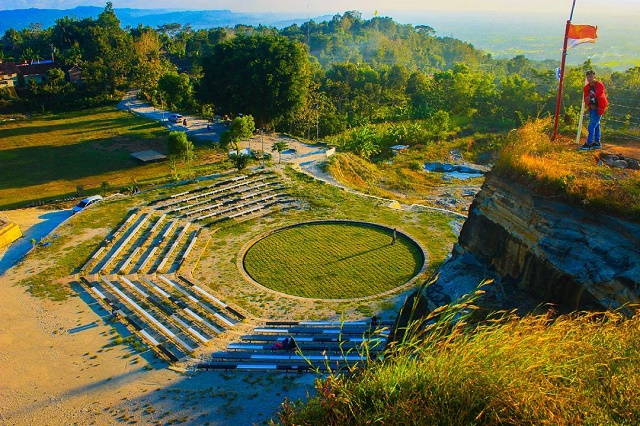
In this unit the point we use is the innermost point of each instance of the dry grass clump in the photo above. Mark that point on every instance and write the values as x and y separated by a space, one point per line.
576 369
558 168
351 169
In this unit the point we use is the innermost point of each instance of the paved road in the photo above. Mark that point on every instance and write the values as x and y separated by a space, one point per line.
196 127
308 158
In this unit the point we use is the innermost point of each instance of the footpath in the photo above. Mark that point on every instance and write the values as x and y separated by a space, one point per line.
307 158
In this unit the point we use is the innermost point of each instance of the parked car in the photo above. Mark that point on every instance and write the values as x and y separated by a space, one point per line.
175 118
86 203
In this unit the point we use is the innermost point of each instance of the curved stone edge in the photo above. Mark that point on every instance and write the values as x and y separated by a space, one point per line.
245 248
375 197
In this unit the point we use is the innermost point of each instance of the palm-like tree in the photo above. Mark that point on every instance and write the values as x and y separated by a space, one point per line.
279 146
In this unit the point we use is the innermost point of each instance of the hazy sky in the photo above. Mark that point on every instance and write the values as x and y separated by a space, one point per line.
585 7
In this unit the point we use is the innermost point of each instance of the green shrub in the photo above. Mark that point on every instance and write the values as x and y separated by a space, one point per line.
180 146
241 128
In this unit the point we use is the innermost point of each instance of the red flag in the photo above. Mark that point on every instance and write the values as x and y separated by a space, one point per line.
579 34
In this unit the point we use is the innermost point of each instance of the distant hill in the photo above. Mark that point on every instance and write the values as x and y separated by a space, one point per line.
22 18
537 36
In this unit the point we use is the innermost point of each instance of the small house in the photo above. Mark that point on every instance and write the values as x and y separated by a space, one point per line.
8 74
35 70
75 74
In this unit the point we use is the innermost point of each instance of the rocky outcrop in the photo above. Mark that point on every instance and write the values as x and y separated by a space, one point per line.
538 250
618 161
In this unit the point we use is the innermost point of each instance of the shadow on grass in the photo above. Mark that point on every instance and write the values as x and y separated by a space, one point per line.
37 165
362 253
34 128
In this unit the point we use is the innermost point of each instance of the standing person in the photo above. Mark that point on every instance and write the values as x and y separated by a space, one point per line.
595 97
395 236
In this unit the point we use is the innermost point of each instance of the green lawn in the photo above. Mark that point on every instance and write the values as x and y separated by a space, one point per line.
51 155
332 261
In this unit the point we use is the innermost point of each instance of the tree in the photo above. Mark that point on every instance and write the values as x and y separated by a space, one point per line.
180 146
149 64
177 90
279 146
240 161
241 128
104 188
266 76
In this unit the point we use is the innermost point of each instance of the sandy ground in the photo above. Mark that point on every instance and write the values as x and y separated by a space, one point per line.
58 368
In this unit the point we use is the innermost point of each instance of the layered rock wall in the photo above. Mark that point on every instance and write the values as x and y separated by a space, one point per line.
539 249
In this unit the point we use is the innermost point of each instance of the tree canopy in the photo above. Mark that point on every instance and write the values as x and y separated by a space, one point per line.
266 76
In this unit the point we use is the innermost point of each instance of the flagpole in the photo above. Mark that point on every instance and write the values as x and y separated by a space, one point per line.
556 116
580 121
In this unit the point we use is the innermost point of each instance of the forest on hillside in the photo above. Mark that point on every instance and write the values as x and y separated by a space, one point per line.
347 74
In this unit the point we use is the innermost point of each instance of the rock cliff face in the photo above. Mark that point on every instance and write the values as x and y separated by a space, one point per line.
539 250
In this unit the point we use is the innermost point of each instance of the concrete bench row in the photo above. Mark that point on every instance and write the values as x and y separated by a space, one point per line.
155 340
170 314
358 331
190 245
280 204
122 243
217 190
159 326
122 227
192 191
274 363
177 311
313 338
307 347
319 346
221 193
228 199
156 245
107 241
193 309
286 357
172 248
189 295
209 296
224 195
239 206
214 185
127 261
260 207
187 331
254 367
230 205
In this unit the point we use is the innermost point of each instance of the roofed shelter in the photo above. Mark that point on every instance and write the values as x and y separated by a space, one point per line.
149 156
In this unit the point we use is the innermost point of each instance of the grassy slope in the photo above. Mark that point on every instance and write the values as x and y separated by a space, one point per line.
49 156
404 178
332 261
558 168
581 369
70 246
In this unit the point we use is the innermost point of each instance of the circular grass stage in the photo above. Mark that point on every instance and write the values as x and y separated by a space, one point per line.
333 260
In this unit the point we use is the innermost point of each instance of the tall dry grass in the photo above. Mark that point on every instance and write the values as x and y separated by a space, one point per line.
574 369
558 168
